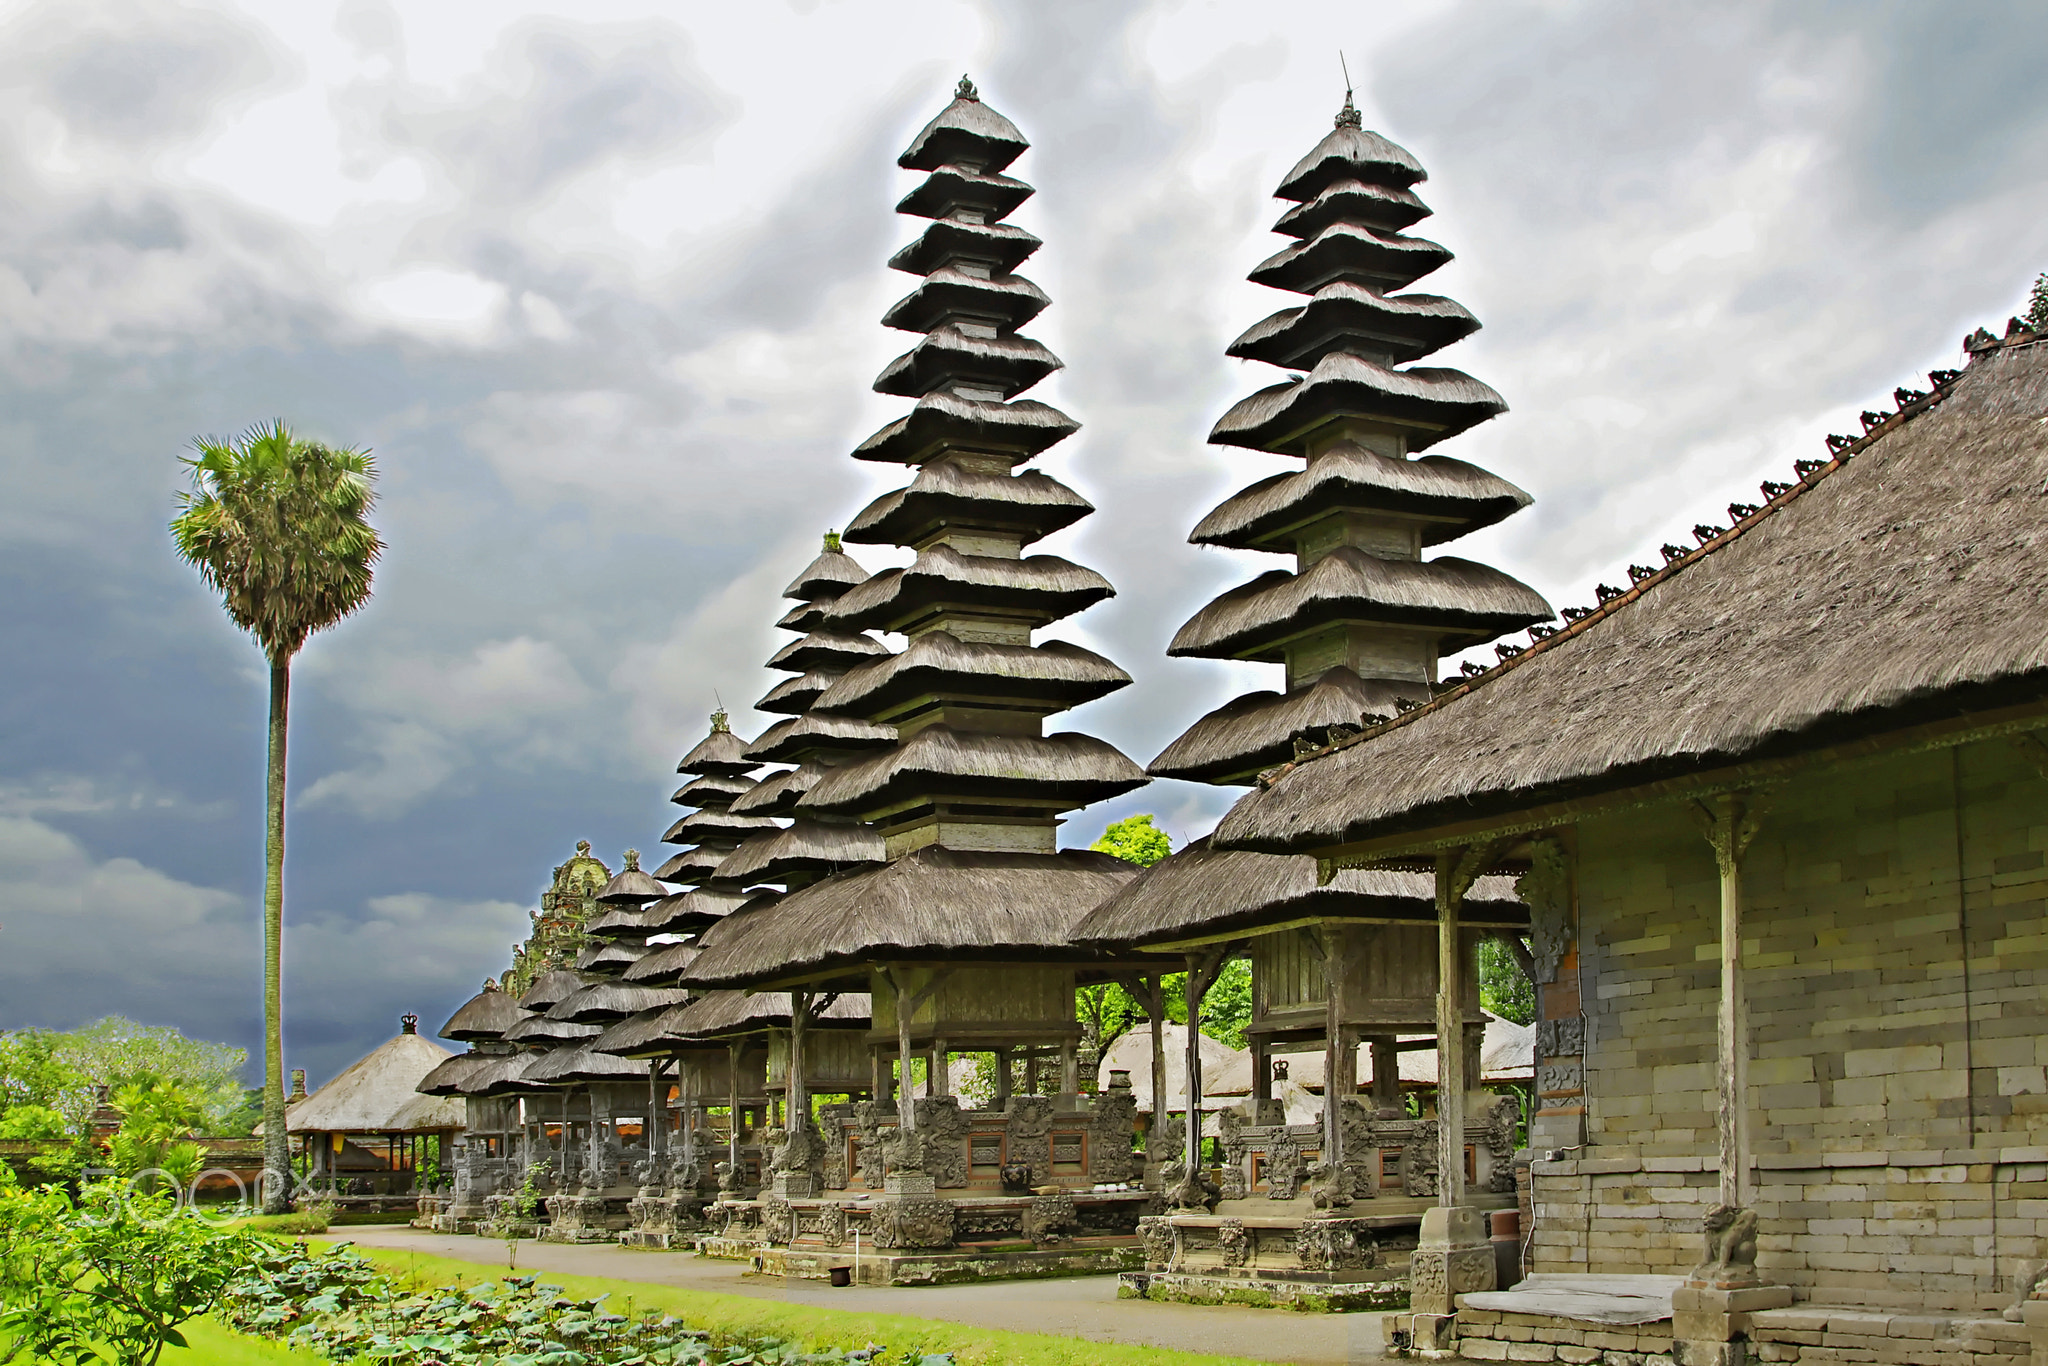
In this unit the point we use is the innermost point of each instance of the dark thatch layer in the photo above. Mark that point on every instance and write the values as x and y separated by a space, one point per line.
603 1002
540 1030
1001 246
941 762
1042 587
1346 315
1466 603
1255 732
575 1066
1007 301
719 752
1201 891
1350 251
933 901
721 1015
447 1079
609 959
1456 497
1020 430
631 887
1433 403
663 966
832 573
946 494
686 912
965 131
500 1076
776 794
691 865
805 616
826 649
620 922
1378 206
483 1017
714 825
793 696
1905 586
950 187
807 846
1010 364
1351 153
551 987
938 662
802 736
712 790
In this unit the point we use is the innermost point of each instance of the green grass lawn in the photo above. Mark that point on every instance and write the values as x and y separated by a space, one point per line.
213 1345
740 1316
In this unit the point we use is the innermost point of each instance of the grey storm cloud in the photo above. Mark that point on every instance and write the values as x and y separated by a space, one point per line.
1699 239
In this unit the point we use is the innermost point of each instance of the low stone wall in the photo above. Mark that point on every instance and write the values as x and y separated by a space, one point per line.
1811 1335
1483 1335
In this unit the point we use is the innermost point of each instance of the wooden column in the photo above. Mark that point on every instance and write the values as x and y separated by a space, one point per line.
1729 822
1001 1062
1202 971
1070 1070
732 1142
1336 1065
938 1080
1386 1074
1262 1070
651 1136
1456 871
793 1083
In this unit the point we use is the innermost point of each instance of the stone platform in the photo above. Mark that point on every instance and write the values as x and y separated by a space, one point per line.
1304 1291
947 1266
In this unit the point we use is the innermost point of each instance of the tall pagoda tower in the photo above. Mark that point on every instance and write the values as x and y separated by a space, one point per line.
1362 618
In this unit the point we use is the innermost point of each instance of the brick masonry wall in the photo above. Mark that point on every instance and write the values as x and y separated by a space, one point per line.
1896 956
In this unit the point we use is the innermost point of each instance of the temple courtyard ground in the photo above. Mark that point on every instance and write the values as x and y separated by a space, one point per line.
1077 1307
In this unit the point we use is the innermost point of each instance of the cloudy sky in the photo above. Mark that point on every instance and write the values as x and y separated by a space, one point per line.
598 280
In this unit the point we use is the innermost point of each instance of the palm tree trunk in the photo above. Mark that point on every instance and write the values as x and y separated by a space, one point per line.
276 1142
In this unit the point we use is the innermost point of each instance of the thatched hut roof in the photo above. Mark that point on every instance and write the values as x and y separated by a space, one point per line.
951 187
1351 152
581 1066
1381 206
377 1094
1255 732
1007 363
722 1015
832 573
939 662
966 131
620 922
551 987
1007 301
1432 403
1350 251
940 761
713 789
630 886
714 825
932 902
1019 430
947 494
601 1003
1200 892
484 1016
689 911
1454 497
776 795
826 649
446 1079
538 1031
809 845
1347 314
801 736
1043 588
503 1075
1002 246
721 752
793 696
663 966
1904 586
609 959
691 865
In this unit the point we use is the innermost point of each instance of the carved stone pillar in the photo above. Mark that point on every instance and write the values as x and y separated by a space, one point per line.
1453 1257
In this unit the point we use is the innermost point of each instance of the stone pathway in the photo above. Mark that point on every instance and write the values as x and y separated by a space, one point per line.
1075 1306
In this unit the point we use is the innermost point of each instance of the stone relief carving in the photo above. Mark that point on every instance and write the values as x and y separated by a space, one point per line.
914 1223
1501 1122
1112 1116
832 1224
1233 1244
1027 1129
1283 1169
1157 1236
1335 1245
1329 1185
1546 890
1051 1219
1564 1038
871 1151
942 1131
1418 1160
1560 1076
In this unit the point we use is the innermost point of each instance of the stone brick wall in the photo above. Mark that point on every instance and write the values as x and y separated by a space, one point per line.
1896 956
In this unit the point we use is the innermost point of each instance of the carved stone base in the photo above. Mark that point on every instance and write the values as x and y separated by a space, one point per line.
1336 1245
913 1223
1453 1258
1710 1325
792 1186
908 1183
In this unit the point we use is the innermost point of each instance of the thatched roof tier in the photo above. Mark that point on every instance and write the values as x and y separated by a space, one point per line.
777 794
966 132
690 866
1199 892
447 1079
805 616
832 573
1249 734
719 752
940 762
630 1037
802 736
941 580
609 959
712 790
603 1002
501 1076
689 911
950 189
953 294
1351 152
1462 603
582 1066
1350 251
946 494
1427 405
720 1016
551 987
950 356
631 887
1347 316
932 902
807 846
1354 201
1447 497
941 422
620 922
1906 586
484 1016
826 649
717 826
538 1031
793 696
1001 247
376 1094
1055 675
663 966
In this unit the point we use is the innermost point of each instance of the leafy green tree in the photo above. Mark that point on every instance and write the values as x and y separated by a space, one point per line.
1504 989
1135 839
157 1120
279 527
2037 304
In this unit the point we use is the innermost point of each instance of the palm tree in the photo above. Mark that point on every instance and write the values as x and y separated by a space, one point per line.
279 527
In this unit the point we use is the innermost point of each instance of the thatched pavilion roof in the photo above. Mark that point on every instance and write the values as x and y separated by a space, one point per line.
1257 731
574 1066
1005 246
965 131
1055 672
1350 199
719 1016
484 1016
948 494
1454 497
377 1094
1020 429
1406 327
1908 585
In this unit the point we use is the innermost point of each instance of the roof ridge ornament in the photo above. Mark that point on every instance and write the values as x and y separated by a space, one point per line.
632 861
966 91
1348 116
720 722
832 543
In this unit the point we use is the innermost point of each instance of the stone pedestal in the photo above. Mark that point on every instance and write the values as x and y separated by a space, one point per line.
795 1186
1453 1257
902 1183
1710 1323
2034 1314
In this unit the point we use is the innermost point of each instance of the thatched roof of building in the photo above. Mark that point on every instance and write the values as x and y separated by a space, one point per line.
1381 206
601 1003
1042 587
446 1079
1008 301
832 573
1462 602
722 752
377 1094
948 494
965 131
484 1016
776 794
939 662
1455 497
663 966
940 761
953 187
538 1031
793 696
1431 403
713 789
1347 314
1351 152
1350 251
715 825
689 911
1257 731
1019 430
581 1066
1199 892
1002 246
802 736
691 865
809 845
721 1015
551 987
1905 586
630 886
620 922
1007 362
826 649
609 959
932 902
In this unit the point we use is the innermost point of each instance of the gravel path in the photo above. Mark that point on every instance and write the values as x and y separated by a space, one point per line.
1074 1306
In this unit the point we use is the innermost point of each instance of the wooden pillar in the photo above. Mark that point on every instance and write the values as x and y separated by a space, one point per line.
1155 1006
1386 1074
1729 822
1336 1062
1202 971
1262 1070
1070 1070
938 1080
732 1077
1456 871
906 1104
793 1084
1001 1063
877 1090
651 1135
